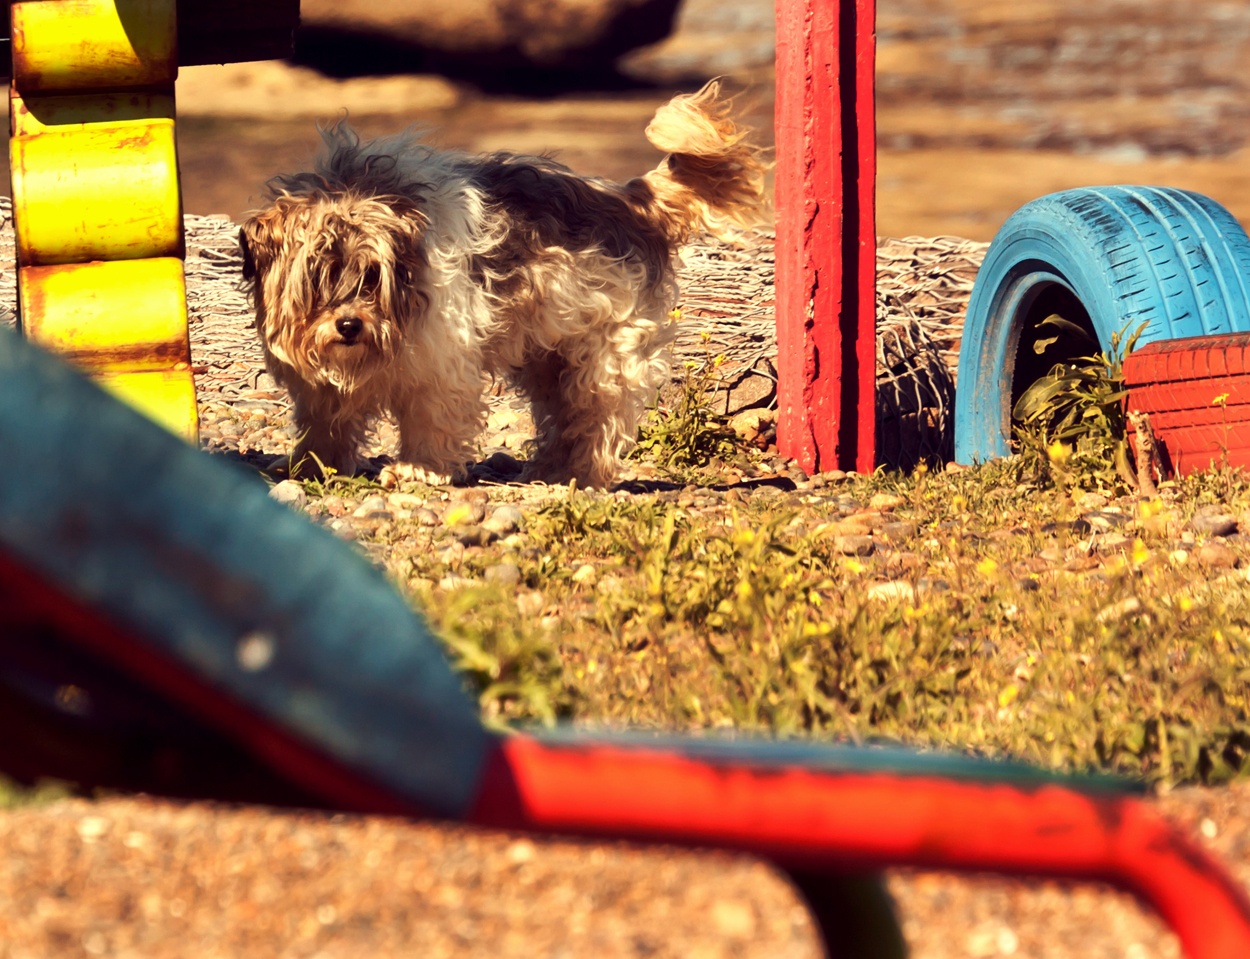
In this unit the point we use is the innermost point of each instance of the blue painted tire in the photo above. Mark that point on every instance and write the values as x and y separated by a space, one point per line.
1124 256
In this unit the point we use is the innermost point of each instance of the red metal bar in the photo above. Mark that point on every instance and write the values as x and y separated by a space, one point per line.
826 233
808 820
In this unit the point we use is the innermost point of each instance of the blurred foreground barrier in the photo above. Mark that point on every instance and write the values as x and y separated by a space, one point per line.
165 625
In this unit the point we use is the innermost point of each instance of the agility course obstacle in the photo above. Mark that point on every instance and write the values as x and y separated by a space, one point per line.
97 205
826 233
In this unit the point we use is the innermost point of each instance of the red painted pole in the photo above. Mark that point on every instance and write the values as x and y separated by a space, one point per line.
826 233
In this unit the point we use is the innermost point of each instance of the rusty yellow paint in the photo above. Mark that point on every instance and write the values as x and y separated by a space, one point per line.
109 316
32 115
93 44
97 192
165 396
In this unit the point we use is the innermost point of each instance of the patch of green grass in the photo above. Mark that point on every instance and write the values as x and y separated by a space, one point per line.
509 661
984 614
752 615
686 435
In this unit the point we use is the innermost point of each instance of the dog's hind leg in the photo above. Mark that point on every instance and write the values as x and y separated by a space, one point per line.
587 413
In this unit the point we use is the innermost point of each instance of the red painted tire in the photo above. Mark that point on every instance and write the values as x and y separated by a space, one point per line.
1196 392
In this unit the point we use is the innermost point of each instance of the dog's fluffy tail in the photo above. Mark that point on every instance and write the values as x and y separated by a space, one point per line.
713 177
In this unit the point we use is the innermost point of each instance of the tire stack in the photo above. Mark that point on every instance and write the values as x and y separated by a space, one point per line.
1168 266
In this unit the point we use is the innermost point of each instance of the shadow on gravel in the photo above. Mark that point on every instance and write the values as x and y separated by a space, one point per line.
480 474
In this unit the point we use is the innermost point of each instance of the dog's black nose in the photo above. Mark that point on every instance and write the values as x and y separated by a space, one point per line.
349 327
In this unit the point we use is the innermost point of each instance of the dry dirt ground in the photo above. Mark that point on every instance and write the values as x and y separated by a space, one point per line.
983 105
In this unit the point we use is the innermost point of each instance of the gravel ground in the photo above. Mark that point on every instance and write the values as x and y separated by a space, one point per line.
141 877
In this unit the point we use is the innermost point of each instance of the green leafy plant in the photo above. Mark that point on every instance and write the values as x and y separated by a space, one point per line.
983 620
509 662
687 433
1071 423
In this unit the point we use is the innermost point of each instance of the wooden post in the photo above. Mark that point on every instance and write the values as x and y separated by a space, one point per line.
826 233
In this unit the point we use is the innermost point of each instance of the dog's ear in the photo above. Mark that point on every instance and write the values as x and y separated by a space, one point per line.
260 239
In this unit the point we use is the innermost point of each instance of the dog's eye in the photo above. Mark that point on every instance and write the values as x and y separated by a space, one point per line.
373 278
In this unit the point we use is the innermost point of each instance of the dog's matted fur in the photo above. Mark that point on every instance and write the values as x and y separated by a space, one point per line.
395 277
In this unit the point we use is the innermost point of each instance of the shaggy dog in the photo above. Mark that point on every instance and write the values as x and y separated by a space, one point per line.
399 278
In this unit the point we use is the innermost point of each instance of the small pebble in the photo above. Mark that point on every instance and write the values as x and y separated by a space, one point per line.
91 828
1213 524
451 555
506 574
1113 543
884 502
516 441
504 519
1117 611
475 536
424 516
409 501
1217 556
343 529
854 545
530 604
501 419
1100 521
290 493
373 507
896 591
898 532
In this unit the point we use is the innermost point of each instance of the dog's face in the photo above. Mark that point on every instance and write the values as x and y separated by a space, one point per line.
335 282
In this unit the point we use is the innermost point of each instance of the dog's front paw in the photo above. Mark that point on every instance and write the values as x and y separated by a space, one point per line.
395 473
